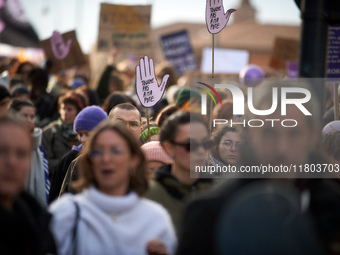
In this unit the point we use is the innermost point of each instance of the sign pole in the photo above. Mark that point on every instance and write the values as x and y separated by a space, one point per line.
336 101
148 123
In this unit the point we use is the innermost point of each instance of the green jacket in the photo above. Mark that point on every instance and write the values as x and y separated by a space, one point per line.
171 193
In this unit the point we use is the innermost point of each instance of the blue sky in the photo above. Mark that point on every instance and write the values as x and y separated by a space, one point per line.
83 15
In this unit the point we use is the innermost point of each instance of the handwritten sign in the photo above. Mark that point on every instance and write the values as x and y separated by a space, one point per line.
148 90
63 55
178 51
215 17
285 49
126 27
333 70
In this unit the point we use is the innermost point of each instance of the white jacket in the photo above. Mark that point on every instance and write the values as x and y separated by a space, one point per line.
110 224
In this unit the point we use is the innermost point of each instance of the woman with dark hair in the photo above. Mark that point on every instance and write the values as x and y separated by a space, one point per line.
116 98
185 137
226 149
109 215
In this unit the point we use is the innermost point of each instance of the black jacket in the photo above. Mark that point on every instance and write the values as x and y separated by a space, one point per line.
25 230
199 235
60 173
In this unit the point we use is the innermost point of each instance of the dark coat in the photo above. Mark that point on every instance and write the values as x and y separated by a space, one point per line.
171 193
200 220
60 173
55 144
25 230
72 175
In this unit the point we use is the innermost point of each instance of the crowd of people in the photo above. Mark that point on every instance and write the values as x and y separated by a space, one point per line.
82 172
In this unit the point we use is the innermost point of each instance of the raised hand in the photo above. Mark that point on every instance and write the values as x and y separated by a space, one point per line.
148 90
215 17
59 48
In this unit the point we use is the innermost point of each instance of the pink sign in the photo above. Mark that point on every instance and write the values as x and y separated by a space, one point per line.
215 17
148 90
59 48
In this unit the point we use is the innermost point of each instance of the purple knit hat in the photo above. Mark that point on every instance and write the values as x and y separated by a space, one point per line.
89 118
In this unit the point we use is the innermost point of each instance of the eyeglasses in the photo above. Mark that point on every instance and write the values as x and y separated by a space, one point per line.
97 154
132 124
194 145
230 144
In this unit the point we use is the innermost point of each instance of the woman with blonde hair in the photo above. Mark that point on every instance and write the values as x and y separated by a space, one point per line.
110 216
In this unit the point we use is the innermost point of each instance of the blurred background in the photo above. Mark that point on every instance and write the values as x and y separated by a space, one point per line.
265 33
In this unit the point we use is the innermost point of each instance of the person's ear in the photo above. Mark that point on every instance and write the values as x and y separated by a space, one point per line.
169 148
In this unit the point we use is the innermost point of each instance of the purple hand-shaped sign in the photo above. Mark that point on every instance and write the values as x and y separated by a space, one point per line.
148 90
215 17
59 48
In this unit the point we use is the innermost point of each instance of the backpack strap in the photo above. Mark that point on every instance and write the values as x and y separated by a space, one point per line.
74 236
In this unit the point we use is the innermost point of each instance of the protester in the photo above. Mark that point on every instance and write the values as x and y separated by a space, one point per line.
85 122
116 98
227 144
58 136
38 81
165 113
24 223
37 183
128 114
123 111
156 157
110 215
21 93
331 144
5 99
23 70
153 129
185 138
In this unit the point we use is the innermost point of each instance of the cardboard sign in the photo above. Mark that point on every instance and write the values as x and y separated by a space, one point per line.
227 61
148 90
285 49
75 56
126 27
215 18
333 70
178 51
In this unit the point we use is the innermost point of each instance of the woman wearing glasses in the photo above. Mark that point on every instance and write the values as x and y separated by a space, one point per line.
226 149
185 138
109 216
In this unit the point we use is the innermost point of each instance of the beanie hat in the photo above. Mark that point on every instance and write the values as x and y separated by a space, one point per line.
185 94
331 126
20 91
77 82
153 151
145 134
89 118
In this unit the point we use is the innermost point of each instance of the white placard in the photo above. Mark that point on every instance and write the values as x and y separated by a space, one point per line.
227 61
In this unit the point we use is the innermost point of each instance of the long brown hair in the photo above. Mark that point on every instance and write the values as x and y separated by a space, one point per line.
138 181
